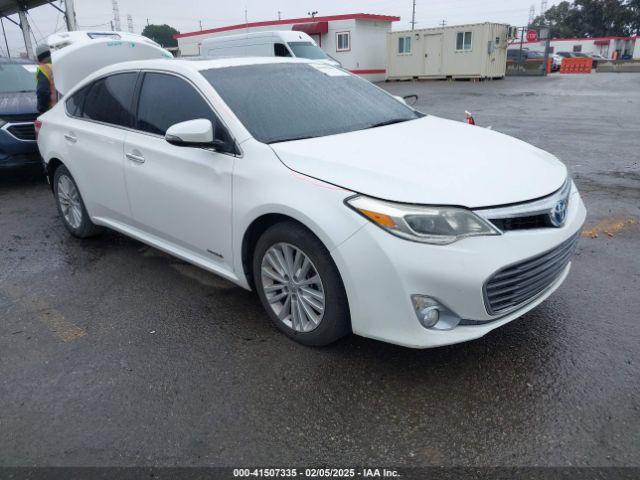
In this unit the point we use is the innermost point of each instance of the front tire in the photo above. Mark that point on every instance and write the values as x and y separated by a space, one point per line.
70 205
299 285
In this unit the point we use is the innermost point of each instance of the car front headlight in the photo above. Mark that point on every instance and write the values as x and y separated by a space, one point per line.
426 224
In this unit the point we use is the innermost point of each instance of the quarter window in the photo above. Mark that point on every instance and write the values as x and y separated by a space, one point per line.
343 41
463 41
404 45
109 100
75 102
166 100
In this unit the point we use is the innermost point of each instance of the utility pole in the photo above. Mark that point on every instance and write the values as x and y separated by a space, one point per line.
532 14
147 22
129 23
70 15
443 23
200 23
116 15
5 38
26 32
413 16
543 6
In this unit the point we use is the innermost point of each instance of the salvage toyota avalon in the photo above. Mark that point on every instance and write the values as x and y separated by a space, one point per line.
345 209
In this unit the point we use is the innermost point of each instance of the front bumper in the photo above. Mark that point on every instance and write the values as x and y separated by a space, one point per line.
381 272
17 153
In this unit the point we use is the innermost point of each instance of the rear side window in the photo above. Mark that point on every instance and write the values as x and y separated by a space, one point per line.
75 102
166 100
109 100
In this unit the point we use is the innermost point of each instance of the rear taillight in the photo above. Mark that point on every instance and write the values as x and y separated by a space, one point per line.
37 125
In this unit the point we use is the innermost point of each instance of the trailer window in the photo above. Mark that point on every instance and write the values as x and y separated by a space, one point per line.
404 45
343 41
463 41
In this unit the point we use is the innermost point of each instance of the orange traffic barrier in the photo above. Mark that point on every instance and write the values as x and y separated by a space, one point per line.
576 65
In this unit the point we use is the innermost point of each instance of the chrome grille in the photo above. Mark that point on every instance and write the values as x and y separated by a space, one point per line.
516 285
22 131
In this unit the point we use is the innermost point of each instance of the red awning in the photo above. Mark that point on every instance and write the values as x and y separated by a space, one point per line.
601 42
314 28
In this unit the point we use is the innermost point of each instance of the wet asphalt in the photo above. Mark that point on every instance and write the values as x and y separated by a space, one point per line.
112 353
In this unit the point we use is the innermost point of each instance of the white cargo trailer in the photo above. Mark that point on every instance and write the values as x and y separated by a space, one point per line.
461 51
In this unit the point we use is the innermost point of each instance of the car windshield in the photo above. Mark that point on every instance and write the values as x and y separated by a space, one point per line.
307 50
278 102
17 77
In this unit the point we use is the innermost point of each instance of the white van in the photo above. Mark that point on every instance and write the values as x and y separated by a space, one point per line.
279 43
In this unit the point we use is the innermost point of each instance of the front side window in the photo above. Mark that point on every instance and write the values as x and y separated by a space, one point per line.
166 100
404 45
291 101
463 41
109 99
280 50
307 50
343 41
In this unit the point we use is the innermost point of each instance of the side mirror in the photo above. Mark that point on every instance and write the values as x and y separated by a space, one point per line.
410 100
193 133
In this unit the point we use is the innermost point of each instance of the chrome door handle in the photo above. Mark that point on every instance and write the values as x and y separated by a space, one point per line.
70 137
135 158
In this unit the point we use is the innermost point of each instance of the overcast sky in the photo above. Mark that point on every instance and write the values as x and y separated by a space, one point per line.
185 15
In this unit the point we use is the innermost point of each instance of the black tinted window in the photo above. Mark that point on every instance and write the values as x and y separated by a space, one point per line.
279 50
109 99
74 103
288 101
166 100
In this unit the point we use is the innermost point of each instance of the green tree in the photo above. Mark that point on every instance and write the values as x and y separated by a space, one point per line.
163 34
591 18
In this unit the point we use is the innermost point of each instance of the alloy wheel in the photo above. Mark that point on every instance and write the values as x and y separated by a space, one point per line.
293 287
69 200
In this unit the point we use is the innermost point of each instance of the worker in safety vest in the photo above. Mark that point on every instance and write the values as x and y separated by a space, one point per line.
45 90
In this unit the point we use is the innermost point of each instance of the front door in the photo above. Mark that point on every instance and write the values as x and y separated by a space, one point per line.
432 54
179 195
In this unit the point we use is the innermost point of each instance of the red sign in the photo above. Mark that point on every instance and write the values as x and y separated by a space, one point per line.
532 36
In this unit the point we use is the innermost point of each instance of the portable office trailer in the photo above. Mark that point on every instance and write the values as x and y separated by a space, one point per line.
462 51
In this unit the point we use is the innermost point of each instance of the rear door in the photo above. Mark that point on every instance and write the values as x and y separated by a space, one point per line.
181 195
94 138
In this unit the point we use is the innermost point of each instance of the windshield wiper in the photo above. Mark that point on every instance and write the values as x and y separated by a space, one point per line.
304 137
389 122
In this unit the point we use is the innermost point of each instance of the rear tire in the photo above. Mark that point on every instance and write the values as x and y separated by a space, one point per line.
299 285
71 206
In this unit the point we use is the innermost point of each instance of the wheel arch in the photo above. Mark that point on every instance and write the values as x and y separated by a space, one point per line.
264 221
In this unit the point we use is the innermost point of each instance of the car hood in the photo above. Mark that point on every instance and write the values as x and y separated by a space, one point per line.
22 105
429 161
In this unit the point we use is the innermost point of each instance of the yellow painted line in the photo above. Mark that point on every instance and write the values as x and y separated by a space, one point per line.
609 226
54 320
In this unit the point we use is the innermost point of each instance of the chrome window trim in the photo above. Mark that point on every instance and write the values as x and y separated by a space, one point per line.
537 207
6 127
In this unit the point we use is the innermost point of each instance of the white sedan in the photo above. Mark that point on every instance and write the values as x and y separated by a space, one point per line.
345 209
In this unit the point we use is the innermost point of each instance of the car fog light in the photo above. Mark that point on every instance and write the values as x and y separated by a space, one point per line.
432 314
